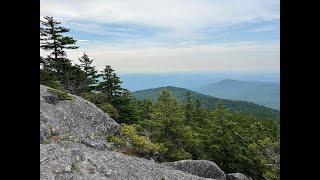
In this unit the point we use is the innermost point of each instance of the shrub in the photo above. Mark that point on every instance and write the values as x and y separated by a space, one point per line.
135 143
62 95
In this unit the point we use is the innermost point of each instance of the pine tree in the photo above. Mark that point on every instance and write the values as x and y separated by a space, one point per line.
146 107
110 86
48 78
90 72
219 137
127 108
73 79
188 109
199 113
168 127
86 65
51 39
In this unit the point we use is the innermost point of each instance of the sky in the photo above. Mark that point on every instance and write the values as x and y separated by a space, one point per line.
173 35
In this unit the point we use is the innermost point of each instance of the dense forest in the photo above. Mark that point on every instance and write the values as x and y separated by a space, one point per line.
210 102
165 129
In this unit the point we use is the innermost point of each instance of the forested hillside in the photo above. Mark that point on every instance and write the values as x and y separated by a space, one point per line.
210 102
178 124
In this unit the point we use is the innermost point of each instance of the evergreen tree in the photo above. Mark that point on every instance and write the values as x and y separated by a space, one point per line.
188 109
108 108
127 108
168 127
48 78
118 97
199 113
73 79
146 107
110 85
90 72
51 39
219 137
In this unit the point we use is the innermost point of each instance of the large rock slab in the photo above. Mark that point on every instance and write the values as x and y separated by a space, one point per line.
77 120
71 160
202 168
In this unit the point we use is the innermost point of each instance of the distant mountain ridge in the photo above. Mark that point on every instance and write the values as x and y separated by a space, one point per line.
263 93
189 80
209 102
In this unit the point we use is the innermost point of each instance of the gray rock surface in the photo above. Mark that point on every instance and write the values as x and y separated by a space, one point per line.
71 160
202 168
78 120
236 176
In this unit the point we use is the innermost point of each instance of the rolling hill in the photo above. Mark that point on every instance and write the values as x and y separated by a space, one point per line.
263 93
209 102
189 80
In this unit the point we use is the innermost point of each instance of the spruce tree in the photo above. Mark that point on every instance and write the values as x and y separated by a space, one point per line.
110 85
146 106
52 39
86 65
199 113
220 140
127 107
73 79
167 126
188 109
90 72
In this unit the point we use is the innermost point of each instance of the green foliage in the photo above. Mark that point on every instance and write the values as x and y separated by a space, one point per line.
96 98
117 141
188 109
209 102
48 78
62 95
90 72
236 142
51 38
179 154
219 137
127 108
168 126
108 108
56 69
146 107
139 144
110 85
73 79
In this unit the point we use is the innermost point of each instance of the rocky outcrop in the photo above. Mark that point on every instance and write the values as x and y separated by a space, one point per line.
76 120
200 168
70 160
73 146
236 176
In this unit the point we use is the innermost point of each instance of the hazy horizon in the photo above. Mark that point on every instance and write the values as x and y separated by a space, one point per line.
189 80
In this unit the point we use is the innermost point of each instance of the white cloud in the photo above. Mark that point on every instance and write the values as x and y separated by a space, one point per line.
182 15
184 24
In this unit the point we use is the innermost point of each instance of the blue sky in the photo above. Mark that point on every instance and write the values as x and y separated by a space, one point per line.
173 35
